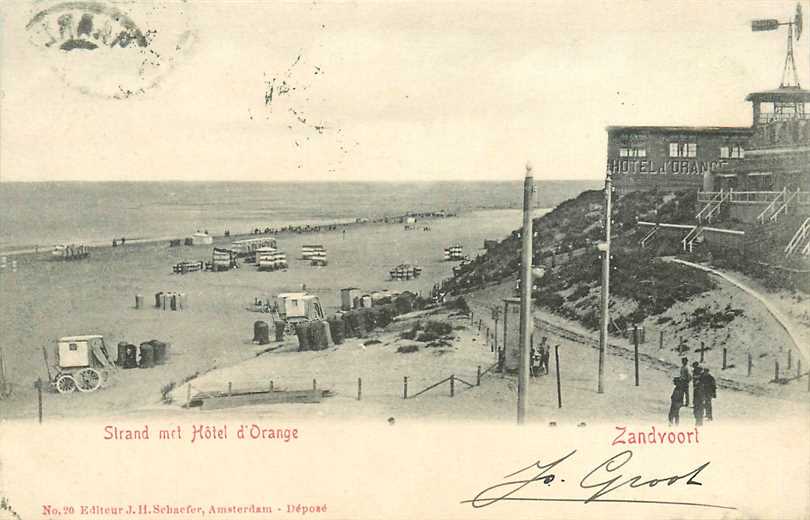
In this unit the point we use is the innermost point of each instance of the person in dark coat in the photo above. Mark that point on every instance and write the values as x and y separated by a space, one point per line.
544 355
675 402
684 380
709 386
697 397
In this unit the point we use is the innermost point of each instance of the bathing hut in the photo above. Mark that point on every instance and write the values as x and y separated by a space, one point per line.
405 272
70 252
308 251
318 258
270 259
347 298
248 247
223 259
453 253
201 239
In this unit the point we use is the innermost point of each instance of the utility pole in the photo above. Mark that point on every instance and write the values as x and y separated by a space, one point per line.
604 247
525 294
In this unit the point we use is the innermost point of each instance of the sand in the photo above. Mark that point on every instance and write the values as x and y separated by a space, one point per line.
44 300
51 299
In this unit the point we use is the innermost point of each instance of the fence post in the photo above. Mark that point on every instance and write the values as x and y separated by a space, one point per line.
271 385
478 377
750 363
2 374
776 370
635 350
790 360
799 368
452 385
661 340
405 387
557 361
188 395
359 388
314 384
725 353
230 387
38 385
702 350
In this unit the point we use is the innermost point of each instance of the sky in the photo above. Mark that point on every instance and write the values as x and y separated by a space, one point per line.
368 91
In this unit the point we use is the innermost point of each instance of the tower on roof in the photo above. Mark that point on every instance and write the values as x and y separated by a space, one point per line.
790 77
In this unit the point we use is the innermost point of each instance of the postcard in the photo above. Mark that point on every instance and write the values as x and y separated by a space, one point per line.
401 259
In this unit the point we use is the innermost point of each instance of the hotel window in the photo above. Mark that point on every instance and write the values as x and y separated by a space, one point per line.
683 149
632 152
732 152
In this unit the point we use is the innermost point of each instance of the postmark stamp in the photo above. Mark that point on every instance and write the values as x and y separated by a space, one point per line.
111 49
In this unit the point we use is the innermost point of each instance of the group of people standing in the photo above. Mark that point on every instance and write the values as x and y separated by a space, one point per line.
704 389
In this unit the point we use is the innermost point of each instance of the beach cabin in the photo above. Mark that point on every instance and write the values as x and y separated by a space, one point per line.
347 297
70 252
201 239
454 253
318 258
308 251
270 259
249 246
79 363
223 259
299 306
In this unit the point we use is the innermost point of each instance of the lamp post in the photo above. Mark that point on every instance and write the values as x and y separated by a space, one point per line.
525 294
604 247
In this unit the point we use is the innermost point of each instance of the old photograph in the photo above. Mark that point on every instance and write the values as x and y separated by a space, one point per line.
252 220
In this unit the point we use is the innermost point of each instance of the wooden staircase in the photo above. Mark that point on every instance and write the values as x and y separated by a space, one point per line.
712 208
800 240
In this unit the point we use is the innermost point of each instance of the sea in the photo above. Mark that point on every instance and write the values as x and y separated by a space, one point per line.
43 214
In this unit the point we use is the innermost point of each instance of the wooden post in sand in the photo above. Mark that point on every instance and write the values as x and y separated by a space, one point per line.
790 364
38 386
359 388
557 362
635 350
230 388
725 354
750 363
2 375
188 395
776 371
314 384
799 368
478 377
271 385
452 385
661 340
405 387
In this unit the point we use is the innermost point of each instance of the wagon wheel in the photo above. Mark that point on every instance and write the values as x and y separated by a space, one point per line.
289 328
65 384
88 379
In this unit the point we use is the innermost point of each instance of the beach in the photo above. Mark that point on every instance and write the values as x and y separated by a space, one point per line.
46 299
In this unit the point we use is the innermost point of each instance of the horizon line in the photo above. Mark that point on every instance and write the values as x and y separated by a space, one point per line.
196 181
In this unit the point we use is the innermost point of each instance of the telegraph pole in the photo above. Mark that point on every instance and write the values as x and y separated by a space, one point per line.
525 294
604 247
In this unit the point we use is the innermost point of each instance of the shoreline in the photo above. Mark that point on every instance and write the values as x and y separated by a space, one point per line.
278 231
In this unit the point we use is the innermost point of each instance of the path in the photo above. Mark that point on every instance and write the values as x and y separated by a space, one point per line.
783 320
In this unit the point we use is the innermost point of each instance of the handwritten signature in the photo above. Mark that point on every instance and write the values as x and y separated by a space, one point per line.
604 479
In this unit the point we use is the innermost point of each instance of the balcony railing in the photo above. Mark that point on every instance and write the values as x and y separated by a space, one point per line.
770 117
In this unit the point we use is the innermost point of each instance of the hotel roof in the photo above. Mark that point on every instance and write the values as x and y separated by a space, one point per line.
684 129
781 94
